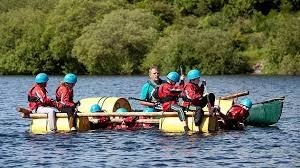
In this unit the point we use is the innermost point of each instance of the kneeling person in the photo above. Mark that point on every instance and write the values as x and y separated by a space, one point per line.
236 115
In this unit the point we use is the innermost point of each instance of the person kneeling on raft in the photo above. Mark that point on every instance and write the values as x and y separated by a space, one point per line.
99 122
236 115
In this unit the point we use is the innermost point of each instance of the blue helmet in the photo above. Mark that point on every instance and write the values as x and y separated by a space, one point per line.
246 102
173 76
193 74
95 108
149 109
70 78
121 110
41 78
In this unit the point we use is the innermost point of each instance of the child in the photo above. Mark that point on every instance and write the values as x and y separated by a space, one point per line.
236 115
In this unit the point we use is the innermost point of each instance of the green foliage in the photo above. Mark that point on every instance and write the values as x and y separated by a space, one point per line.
198 7
197 48
116 44
283 55
116 36
159 8
20 44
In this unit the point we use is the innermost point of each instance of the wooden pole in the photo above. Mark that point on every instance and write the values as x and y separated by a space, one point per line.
234 95
113 114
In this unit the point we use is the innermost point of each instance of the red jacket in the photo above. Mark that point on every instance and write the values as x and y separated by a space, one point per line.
37 96
64 96
192 94
169 94
238 113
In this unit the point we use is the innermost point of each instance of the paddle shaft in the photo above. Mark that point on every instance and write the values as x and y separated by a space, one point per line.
234 95
133 98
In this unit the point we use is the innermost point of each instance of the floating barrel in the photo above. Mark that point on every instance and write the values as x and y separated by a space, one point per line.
108 104
224 105
174 125
40 125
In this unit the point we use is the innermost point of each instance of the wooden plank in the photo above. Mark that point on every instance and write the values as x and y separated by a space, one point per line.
234 95
112 114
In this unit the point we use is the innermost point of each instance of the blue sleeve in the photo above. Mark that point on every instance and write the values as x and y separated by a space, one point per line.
145 94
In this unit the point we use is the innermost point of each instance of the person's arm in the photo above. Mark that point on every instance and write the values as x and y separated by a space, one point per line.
146 95
65 94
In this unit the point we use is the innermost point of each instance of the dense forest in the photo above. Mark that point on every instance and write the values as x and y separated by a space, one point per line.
102 37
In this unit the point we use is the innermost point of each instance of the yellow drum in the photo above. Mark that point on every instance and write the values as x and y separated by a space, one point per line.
174 125
40 125
108 104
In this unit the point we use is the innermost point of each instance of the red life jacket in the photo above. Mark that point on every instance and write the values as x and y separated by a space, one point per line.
37 96
192 94
238 113
64 96
168 96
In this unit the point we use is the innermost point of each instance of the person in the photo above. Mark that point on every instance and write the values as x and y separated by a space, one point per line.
147 89
40 103
236 115
99 122
193 97
64 97
129 122
168 95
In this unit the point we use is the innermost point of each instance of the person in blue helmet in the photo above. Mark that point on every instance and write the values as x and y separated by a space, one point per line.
236 115
168 94
193 95
129 122
39 102
64 97
150 103
99 122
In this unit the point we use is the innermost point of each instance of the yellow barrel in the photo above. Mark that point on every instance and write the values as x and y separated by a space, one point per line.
224 105
41 126
108 104
174 125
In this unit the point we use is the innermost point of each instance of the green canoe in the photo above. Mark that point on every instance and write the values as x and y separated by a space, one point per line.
265 113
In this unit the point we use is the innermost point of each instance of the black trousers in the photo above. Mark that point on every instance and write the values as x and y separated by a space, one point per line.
211 97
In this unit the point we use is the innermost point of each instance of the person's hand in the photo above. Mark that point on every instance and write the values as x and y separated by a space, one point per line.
204 82
182 77
156 104
77 103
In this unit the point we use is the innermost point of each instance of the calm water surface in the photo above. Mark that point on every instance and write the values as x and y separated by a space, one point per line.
274 146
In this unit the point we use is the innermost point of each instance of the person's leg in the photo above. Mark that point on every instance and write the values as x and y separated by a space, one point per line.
181 115
71 116
198 115
50 111
208 100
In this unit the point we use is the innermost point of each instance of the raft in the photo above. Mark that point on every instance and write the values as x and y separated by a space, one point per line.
166 121
265 113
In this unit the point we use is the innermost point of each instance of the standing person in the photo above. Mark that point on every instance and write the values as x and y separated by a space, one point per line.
64 97
39 102
168 95
236 115
146 93
193 97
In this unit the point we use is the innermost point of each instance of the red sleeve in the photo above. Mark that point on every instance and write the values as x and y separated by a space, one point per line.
65 97
42 96
191 92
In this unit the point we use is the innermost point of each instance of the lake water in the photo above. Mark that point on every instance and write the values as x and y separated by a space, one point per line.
274 146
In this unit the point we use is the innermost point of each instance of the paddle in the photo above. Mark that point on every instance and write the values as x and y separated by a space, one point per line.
133 98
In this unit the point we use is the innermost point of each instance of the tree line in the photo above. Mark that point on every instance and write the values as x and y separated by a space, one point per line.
100 37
